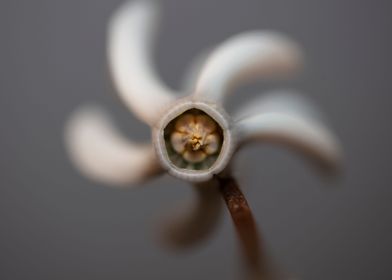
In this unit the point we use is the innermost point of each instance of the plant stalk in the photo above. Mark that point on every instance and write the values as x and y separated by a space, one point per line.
245 226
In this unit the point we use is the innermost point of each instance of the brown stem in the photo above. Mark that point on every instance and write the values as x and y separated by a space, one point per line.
245 226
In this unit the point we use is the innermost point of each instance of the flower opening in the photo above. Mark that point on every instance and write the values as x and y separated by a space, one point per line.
193 140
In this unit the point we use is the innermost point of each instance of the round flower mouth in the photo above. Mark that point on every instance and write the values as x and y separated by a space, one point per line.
193 140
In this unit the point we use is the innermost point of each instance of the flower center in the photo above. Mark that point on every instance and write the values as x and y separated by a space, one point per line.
193 140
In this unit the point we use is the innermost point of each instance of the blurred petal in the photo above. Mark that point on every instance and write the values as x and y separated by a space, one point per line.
289 120
101 153
197 221
245 57
131 38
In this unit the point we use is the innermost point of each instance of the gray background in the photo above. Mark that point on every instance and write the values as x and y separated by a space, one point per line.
55 224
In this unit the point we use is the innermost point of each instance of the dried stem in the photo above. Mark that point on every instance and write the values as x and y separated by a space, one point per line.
245 227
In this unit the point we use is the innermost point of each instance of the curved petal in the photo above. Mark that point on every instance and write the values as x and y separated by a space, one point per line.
130 45
291 121
197 221
244 57
102 154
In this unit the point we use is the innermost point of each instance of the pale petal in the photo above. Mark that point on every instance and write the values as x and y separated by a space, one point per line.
212 143
194 156
101 153
206 123
245 57
178 142
194 223
185 123
292 122
130 45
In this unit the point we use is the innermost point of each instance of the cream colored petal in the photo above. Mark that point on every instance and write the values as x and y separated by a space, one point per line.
102 154
193 222
178 142
185 123
206 123
130 45
212 143
305 135
194 156
245 57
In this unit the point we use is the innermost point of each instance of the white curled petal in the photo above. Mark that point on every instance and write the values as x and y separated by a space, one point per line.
307 136
130 45
245 57
101 153
194 223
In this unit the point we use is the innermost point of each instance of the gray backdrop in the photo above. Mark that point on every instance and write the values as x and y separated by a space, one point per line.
55 224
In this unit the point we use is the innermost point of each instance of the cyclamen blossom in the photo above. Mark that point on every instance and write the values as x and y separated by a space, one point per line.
193 137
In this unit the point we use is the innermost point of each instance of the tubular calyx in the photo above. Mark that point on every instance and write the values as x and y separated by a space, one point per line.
193 140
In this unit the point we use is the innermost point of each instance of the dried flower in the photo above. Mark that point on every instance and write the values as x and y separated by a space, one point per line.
193 138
